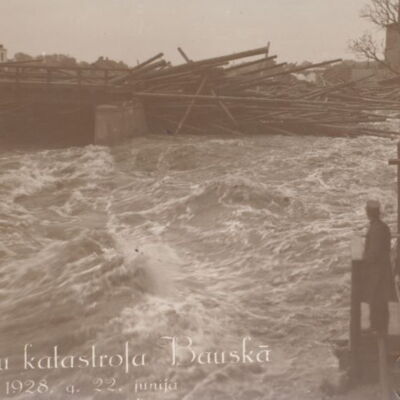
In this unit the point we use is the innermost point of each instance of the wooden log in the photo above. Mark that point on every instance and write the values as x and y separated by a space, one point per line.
147 62
216 61
220 103
134 73
248 64
191 68
234 56
187 112
257 71
257 81
184 56
339 86
271 102
179 96
225 109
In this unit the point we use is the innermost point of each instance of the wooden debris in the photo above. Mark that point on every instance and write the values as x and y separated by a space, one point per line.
242 92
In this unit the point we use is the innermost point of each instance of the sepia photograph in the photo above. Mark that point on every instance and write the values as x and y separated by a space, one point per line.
200 200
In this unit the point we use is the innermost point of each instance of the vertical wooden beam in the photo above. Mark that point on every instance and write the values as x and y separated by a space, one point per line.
355 321
221 104
49 78
17 81
17 75
397 162
79 72
383 368
225 109
192 103
398 209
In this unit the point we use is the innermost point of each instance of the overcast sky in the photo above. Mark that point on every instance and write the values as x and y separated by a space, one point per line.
132 30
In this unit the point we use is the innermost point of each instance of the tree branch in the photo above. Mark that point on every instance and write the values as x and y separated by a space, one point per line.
381 12
366 47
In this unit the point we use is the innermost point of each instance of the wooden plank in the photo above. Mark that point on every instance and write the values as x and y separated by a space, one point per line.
53 67
383 368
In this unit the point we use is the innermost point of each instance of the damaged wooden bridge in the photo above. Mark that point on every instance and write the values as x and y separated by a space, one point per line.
240 93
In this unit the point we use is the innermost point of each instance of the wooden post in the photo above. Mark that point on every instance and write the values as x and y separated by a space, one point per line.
79 73
193 101
225 109
355 321
17 81
184 55
49 77
17 75
383 368
397 162
398 209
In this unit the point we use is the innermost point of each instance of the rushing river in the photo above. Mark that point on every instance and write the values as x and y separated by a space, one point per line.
212 238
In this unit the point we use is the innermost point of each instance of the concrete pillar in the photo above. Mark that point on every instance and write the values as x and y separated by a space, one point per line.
116 123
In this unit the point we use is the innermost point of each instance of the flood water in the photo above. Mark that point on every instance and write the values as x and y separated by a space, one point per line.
212 238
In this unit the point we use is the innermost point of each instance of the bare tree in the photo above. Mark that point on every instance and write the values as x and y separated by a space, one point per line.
381 13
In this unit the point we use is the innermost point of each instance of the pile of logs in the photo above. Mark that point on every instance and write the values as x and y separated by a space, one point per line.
246 92
257 96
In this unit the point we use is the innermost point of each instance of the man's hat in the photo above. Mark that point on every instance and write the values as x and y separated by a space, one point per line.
373 204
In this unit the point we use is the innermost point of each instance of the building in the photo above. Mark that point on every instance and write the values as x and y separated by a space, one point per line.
3 53
392 50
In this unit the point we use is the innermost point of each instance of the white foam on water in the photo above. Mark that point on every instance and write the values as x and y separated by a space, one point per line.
234 237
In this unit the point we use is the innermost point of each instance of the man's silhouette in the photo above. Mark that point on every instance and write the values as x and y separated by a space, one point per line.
378 278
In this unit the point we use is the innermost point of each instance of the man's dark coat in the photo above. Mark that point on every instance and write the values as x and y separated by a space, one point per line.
378 277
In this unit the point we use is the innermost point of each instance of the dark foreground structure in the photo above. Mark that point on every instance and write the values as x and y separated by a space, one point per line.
368 356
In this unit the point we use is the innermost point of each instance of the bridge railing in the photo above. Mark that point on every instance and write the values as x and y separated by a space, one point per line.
21 73
49 75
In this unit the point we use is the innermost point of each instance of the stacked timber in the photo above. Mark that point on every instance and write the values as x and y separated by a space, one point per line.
260 96
237 93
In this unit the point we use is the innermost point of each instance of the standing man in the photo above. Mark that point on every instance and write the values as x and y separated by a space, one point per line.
378 280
